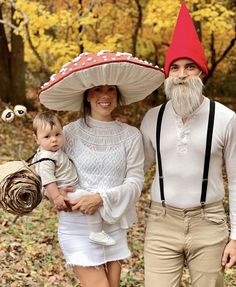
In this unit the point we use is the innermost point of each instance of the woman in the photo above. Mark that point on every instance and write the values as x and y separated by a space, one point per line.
108 156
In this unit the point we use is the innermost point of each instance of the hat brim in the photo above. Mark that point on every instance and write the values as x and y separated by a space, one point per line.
134 80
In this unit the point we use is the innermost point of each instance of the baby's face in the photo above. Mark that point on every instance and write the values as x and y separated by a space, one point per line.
50 138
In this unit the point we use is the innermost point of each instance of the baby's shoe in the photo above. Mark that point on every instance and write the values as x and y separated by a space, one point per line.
101 238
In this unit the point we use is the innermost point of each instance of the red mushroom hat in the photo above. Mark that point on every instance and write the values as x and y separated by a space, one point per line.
185 43
134 78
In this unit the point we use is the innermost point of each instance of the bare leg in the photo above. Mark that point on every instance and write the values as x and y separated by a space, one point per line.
113 273
91 276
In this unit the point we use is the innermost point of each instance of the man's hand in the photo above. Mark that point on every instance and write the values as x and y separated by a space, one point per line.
87 204
229 255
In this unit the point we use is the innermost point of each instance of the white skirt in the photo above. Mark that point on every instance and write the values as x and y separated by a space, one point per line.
73 235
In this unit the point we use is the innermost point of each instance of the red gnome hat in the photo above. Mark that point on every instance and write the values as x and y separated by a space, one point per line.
185 43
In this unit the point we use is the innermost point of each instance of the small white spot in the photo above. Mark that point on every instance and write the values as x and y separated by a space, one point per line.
66 65
52 78
123 54
100 53
76 59
63 70
83 54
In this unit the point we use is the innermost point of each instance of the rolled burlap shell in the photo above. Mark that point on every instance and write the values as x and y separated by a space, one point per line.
20 188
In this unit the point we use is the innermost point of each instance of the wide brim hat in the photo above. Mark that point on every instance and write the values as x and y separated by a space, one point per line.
135 79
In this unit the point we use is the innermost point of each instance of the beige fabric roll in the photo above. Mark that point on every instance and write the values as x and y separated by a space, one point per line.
20 188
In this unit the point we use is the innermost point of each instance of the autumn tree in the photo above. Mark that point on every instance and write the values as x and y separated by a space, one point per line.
12 66
214 20
56 31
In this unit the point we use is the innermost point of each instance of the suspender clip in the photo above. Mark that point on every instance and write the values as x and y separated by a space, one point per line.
163 203
202 204
204 179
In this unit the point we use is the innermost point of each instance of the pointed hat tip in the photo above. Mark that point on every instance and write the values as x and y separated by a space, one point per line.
185 42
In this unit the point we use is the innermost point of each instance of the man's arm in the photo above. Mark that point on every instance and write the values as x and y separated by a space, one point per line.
229 255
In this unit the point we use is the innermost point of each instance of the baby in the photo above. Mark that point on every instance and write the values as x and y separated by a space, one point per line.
57 171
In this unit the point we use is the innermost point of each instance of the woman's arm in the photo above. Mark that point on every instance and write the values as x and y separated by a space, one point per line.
147 127
119 201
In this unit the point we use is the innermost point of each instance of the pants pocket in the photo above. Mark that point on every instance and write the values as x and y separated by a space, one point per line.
218 219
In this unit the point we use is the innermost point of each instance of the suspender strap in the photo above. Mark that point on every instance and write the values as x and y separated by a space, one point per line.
158 133
208 152
43 159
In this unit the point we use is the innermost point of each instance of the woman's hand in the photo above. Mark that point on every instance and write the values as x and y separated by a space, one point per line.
87 204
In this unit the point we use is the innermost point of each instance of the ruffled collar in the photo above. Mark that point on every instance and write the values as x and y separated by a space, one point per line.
93 123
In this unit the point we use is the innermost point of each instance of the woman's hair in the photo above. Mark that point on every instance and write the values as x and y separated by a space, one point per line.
44 119
86 107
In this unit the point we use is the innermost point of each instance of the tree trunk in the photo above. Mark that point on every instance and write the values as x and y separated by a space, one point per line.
12 66
4 64
81 28
137 27
17 69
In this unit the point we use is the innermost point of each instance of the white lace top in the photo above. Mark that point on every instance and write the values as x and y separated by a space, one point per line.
109 159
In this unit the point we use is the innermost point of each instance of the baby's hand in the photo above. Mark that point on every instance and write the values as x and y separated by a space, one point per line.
62 203
67 189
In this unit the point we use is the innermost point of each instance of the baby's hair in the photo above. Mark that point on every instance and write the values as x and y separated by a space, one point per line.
44 119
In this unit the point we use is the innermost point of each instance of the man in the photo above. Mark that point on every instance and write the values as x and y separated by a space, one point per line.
190 141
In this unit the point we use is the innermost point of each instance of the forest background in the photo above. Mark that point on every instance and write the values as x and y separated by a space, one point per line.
36 39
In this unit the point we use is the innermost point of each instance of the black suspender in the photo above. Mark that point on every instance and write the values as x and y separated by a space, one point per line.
207 152
42 159
158 133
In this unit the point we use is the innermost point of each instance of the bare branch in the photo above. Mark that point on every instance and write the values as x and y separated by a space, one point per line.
221 58
137 27
9 24
26 26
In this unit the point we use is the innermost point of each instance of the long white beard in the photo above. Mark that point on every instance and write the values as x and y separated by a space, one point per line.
184 94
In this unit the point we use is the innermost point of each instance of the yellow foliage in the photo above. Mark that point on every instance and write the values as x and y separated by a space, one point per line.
59 29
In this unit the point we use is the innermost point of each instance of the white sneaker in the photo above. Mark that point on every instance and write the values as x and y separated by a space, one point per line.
101 238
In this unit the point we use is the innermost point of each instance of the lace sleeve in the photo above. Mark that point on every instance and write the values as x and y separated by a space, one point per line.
119 202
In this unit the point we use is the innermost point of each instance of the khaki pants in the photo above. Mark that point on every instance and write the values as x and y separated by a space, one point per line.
194 236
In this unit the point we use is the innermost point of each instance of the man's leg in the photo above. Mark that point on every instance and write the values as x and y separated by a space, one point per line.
208 238
163 249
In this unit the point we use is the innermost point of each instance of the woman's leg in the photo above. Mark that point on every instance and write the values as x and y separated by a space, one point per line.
91 276
113 273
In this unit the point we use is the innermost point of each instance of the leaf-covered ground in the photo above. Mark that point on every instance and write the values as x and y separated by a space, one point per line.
30 255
